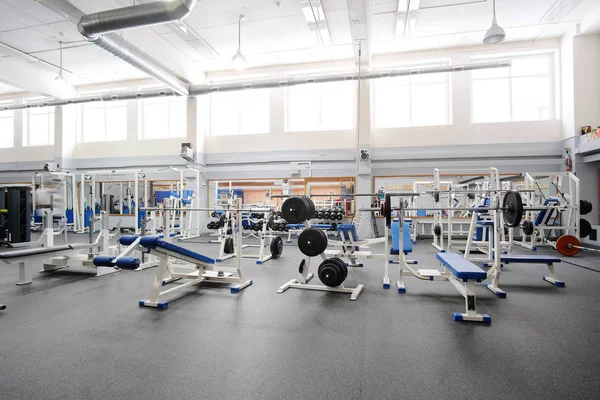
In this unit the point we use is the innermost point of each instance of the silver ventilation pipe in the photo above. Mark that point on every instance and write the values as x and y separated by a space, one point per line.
115 45
199 90
146 14
96 29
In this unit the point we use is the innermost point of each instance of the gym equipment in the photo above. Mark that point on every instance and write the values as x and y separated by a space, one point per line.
332 272
585 228
585 207
197 268
569 246
297 209
15 222
463 278
536 259
527 227
276 247
229 246
312 242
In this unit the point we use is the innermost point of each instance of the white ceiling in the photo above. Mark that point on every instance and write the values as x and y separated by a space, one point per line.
8 89
273 35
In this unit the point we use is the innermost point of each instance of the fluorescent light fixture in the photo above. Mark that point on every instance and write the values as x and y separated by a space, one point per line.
495 34
414 5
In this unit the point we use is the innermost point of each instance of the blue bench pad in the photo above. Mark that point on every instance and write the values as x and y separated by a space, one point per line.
461 267
526 259
154 242
406 240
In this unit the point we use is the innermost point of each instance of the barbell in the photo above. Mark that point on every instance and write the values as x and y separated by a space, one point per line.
569 245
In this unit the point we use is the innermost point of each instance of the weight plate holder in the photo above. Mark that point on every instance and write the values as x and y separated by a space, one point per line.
313 242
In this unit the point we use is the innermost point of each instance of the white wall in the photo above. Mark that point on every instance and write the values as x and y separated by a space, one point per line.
586 73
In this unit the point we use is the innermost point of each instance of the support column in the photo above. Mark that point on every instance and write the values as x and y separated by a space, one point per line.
363 142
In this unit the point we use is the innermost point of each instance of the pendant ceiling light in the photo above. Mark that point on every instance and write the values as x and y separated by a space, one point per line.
238 61
495 34
60 78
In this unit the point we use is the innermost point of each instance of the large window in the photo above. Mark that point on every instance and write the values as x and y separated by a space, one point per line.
320 106
163 117
7 129
240 112
413 100
523 92
103 121
38 126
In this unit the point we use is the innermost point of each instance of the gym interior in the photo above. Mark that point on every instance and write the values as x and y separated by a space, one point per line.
299 199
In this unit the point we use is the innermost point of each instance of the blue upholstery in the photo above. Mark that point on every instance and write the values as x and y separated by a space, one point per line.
550 201
103 261
485 223
527 259
180 250
348 231
127 240
123 262
406 241
154 242
461 267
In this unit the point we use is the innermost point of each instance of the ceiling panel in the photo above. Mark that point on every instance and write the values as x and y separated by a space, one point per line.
8 89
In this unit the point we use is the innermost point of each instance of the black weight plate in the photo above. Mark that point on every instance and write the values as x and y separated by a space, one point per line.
228 248
213 214
312 206
229 231
436 197
222 219
276 247
585 228
527 227
437 230
295 210
312 242
330 273
271 222
388 210
340 216
512 209
301 266
209 225
343 267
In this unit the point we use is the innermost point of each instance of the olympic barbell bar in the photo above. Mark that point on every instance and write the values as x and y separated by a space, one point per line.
206 209
569 245
433 191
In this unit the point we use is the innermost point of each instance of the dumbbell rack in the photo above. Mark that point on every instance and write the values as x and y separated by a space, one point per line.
306 276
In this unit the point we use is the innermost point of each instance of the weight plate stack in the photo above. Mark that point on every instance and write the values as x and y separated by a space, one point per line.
527 227
585 228
333 272
296 210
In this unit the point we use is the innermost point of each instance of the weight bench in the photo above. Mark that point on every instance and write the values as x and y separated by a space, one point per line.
463 278
406 240
525 259
201 267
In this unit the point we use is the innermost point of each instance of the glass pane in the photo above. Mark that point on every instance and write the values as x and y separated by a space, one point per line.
7 131
116 122
531 66
429 78
531 99
490 73
491 101
222 120
337 106
178 118
156 120
391 103
429 105
93 124
303 109
255 111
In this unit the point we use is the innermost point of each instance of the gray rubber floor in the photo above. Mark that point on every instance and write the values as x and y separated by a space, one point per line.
70 336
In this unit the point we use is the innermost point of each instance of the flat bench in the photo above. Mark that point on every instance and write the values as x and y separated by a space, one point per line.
469 273
537 259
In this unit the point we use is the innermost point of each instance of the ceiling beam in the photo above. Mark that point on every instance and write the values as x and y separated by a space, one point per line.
360 15
32 78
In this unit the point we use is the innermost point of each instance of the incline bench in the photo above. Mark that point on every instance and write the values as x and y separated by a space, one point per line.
463 278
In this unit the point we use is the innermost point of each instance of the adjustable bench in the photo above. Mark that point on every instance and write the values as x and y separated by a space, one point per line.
406 239
202 269
463 278
525 259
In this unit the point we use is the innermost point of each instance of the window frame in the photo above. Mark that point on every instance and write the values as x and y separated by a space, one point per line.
106 105
552 113
141 107
411 85
286 121
50 112
10 114
238 131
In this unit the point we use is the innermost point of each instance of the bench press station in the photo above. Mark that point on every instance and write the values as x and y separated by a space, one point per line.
197 268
